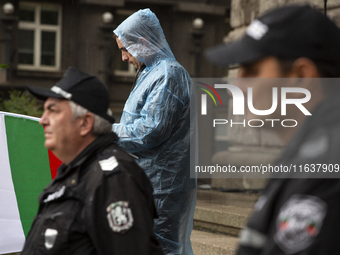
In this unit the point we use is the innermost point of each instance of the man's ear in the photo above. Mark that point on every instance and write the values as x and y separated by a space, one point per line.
86 123
305 68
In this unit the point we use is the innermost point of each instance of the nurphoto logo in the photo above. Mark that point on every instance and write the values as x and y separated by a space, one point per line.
239 100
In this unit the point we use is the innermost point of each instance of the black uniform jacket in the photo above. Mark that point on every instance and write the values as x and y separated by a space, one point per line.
302 215
101 203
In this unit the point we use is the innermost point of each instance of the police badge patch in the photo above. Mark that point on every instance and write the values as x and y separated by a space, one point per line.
119 216
299 222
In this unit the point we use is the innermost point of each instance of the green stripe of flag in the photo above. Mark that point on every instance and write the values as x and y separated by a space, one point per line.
29 163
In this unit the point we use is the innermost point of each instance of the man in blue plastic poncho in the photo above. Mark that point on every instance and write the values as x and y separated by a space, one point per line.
155 126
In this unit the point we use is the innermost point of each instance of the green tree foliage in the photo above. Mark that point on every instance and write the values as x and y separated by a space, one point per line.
22 103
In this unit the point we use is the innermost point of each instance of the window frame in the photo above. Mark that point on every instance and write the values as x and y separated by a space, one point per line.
38 28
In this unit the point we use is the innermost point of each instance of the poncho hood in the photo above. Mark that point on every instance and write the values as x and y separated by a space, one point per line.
143 37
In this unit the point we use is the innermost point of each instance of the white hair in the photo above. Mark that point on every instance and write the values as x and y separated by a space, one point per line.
101 126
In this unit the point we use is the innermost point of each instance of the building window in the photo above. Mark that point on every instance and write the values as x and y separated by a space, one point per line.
39 37
122 68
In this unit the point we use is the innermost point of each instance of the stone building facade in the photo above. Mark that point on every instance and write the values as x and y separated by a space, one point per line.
41 38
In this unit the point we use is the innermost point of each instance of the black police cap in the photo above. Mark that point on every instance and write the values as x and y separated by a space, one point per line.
82 88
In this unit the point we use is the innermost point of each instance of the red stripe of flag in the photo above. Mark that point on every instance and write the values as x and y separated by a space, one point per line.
54 163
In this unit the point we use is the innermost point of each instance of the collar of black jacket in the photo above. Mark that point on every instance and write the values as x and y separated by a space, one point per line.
100 142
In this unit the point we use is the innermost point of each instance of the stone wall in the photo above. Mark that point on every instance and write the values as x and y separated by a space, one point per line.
244 11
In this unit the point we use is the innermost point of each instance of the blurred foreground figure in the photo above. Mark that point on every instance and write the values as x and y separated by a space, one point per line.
155 126
296 214
100 201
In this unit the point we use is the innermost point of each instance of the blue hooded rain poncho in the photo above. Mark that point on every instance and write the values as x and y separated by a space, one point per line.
155 127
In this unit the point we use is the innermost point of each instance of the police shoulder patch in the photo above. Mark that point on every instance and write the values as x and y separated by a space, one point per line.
108 164
119 216
299 222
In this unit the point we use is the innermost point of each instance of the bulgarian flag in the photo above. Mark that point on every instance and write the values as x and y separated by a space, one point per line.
26 168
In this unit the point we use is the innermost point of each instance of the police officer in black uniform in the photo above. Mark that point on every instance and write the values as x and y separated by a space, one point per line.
100 201
298 212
